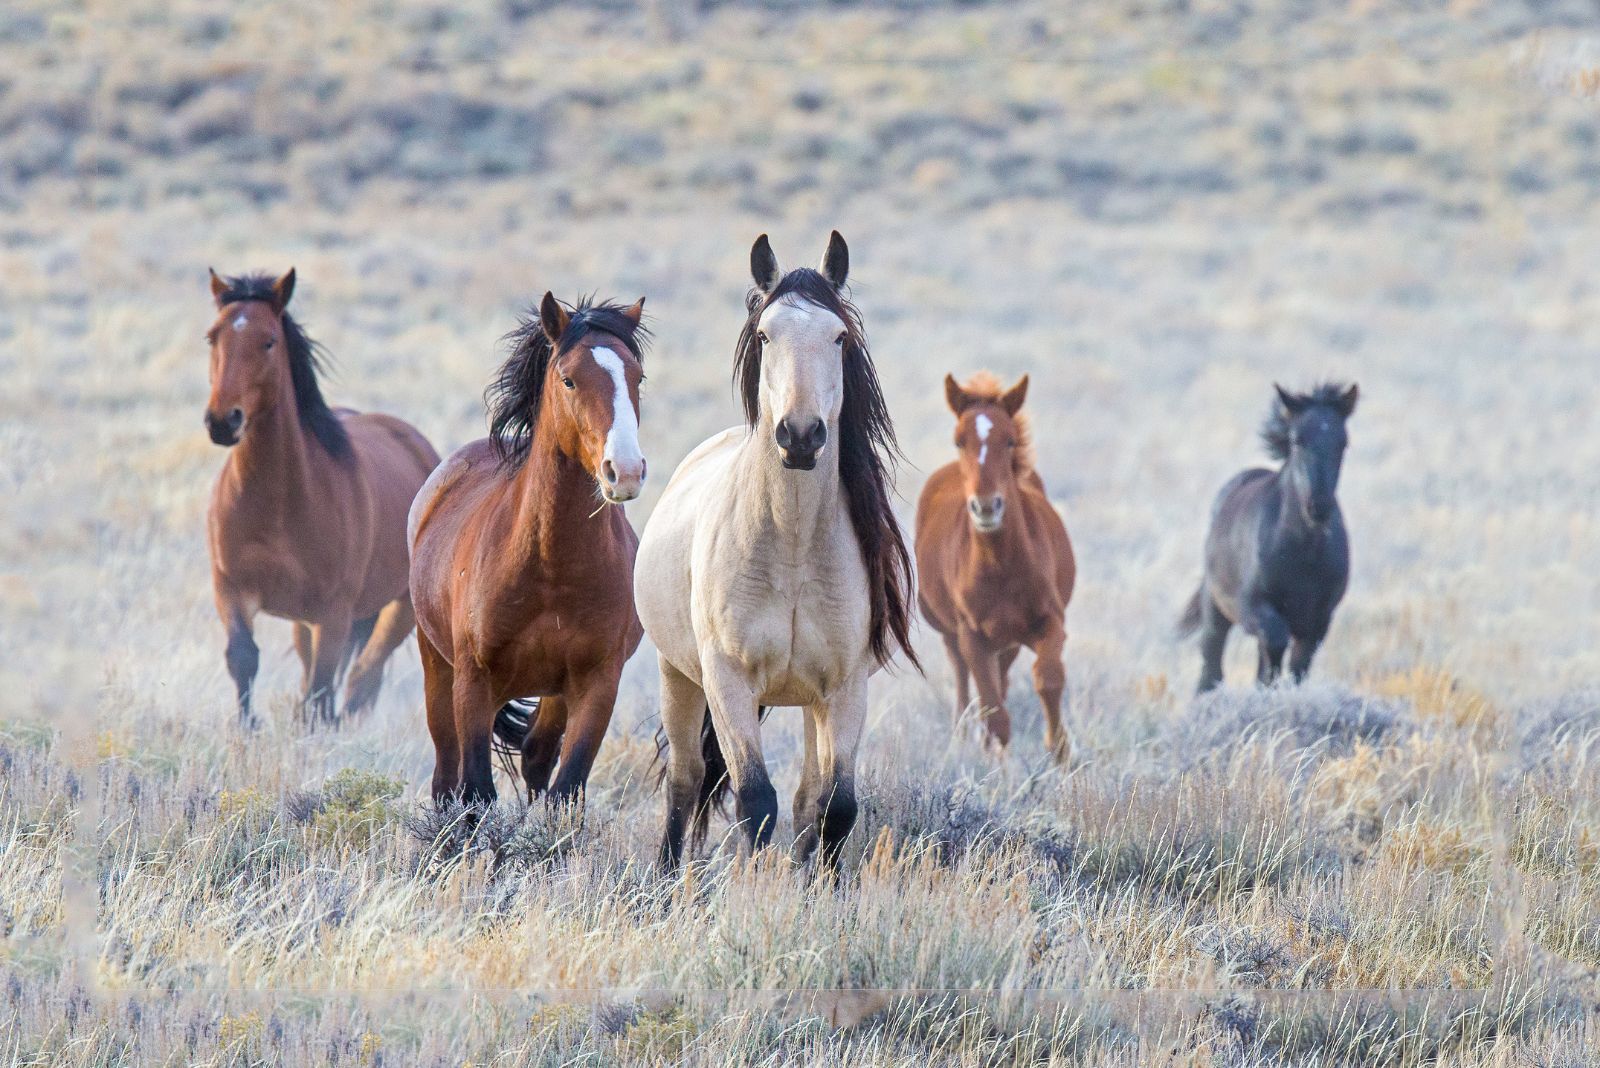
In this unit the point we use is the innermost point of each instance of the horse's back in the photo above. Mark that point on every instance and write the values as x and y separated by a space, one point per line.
394 461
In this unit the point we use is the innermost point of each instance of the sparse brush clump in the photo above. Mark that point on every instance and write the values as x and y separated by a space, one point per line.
348 810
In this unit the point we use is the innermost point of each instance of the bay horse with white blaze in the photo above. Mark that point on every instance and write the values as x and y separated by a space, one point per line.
1277 555
521 570
772 571
995 568
307 518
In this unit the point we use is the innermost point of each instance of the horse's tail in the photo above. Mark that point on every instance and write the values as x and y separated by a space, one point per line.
1189 622
511 726
715 784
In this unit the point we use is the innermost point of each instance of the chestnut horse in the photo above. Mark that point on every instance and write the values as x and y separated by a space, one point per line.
522 573
995 565
307 519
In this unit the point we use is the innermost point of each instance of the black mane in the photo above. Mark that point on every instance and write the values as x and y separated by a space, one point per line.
515 394
867 452
307 360
1277 429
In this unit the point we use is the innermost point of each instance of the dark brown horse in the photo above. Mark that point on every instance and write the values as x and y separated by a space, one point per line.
995 566
308 517
521 569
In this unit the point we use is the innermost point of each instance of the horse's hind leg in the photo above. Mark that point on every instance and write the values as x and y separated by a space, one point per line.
543 744
589 705
394 624
302 649
438 685
683 706
1214 628
808 796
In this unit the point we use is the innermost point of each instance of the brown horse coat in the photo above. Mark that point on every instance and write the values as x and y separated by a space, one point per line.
521 572
307 517
995 565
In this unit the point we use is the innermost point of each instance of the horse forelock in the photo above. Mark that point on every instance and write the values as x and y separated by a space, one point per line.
868 452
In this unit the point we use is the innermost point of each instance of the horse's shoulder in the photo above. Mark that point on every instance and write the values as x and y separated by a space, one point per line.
716 447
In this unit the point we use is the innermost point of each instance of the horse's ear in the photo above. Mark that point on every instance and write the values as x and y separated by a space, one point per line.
634 312
955 396
835 266
282 290
1347 400
218 287
1292 403
764 265
1011 400
553 318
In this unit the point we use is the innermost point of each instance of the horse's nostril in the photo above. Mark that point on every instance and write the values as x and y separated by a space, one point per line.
609 470
236 419
782 435
999 502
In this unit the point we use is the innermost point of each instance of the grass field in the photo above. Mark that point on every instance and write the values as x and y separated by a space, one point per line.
1154 209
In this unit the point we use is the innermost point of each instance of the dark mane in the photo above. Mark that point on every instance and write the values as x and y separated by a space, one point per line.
1277 428
515 394
867 452
307 360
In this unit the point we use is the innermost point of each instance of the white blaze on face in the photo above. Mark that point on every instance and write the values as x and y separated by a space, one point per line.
622 443
240 323
984 425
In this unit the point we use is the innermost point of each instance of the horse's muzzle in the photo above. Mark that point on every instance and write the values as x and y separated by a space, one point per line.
225 429
986 514
621 480
801 449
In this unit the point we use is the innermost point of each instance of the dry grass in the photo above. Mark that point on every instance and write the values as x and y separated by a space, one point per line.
1153 210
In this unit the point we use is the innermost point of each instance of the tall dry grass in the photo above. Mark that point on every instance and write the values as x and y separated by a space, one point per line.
1153 210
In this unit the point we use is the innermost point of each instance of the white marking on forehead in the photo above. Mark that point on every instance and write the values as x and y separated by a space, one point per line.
622 443
984 425
240 322
800 313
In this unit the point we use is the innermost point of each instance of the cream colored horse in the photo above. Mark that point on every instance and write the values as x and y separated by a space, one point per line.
772 571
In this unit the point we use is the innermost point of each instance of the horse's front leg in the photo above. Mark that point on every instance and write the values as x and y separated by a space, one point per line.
735 714
243 656
840 721
683 715
1272 636
1050 682
590 701
1301 650
984 663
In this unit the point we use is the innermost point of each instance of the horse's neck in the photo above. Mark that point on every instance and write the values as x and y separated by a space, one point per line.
554 494
1292 528
792 509
272 464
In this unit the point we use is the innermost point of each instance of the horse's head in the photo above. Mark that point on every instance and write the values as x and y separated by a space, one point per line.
993 443
591 391
247 355
794 342
1307 432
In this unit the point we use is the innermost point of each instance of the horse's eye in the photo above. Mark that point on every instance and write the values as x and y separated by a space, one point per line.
839 341
271 341
565 381
761 336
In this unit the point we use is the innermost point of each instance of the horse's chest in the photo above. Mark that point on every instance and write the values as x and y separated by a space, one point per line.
801 635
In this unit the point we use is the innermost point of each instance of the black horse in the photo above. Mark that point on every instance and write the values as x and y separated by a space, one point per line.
1277 557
